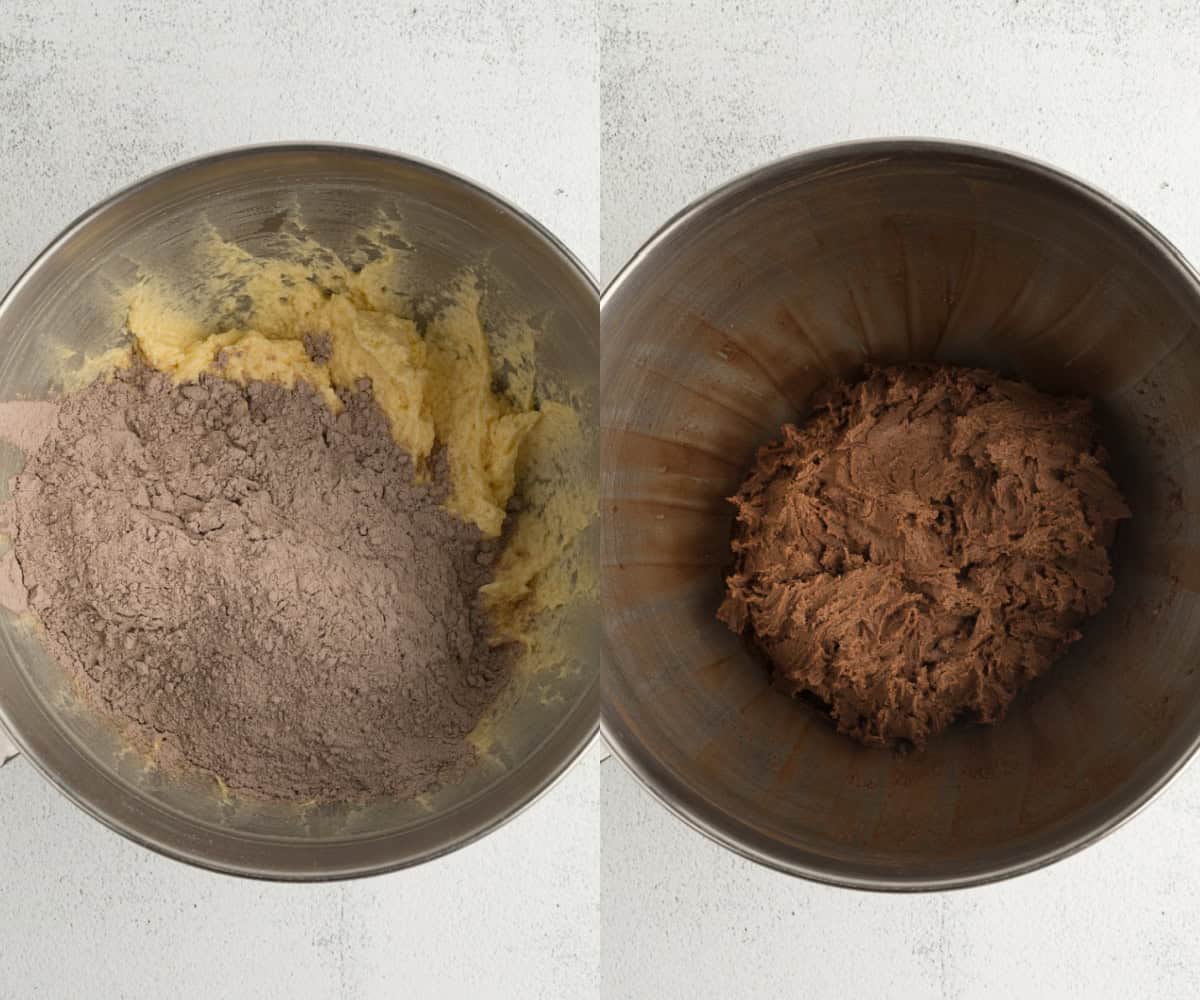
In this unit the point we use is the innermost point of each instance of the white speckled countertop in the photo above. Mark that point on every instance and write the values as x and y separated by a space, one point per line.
601 118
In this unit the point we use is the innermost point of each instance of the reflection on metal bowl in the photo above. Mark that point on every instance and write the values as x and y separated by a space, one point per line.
717 332
65 299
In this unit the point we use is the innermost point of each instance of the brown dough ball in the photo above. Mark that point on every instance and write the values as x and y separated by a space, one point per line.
922 547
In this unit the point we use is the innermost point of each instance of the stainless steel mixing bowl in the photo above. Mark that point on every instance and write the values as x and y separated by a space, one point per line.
716 333
65 299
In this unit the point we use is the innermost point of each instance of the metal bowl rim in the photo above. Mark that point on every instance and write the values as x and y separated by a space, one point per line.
560 768
667 787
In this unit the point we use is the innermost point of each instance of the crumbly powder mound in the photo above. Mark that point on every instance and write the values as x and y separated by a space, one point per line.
259 585
924 545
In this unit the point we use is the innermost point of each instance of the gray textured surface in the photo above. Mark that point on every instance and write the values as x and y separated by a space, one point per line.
693 94
93 95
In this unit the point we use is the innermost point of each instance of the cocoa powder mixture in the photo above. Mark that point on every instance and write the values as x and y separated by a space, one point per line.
259 585
923 546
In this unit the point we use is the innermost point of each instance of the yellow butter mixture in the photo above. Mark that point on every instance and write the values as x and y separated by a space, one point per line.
314 318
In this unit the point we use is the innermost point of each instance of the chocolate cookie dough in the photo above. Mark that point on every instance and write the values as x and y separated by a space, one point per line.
922 547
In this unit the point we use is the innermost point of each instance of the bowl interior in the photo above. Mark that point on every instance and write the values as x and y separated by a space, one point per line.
717 334
67 301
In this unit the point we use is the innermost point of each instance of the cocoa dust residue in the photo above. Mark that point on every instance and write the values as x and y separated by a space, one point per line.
923 546
259 586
